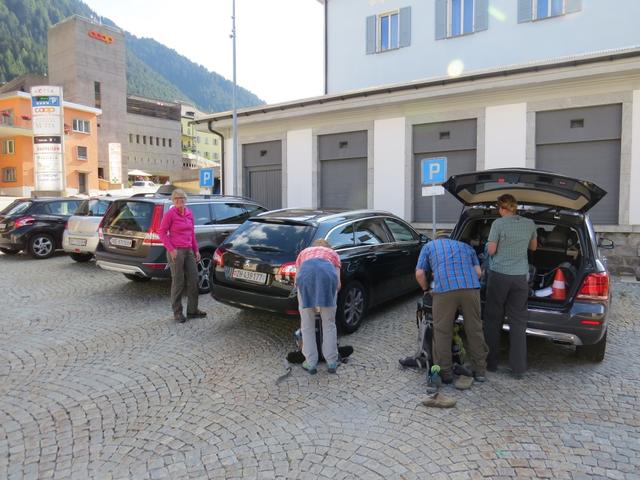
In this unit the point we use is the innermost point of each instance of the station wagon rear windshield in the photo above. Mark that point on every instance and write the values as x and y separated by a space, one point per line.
275 237
130 216
16 208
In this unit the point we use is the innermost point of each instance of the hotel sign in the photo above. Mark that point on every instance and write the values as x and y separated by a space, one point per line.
48 137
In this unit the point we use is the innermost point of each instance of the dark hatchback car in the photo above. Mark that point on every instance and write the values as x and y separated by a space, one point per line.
35 225
255 266
566 241
130 243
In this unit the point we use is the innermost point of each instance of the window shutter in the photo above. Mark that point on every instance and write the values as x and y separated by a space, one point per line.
525 11
573 6
371 34
405 27
441 19
482 15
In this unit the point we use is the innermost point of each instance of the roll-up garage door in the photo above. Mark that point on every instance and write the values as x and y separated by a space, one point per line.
343 170
262 164
454 140
584 143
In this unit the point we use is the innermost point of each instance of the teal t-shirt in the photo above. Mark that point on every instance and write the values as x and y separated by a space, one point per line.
512 234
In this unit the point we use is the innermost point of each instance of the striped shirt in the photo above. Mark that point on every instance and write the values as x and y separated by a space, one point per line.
452 263
323 253
512 234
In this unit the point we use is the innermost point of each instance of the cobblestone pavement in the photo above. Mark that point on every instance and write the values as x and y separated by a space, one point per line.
97 381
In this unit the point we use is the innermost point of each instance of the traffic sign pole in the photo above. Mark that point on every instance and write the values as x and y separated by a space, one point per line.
433 216
434 174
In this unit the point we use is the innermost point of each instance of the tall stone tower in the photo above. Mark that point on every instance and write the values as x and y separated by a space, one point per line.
89 61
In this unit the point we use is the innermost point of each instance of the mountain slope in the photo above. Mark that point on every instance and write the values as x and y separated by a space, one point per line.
153 70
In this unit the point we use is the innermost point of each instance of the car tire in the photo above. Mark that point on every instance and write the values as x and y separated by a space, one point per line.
352 305
9 251
136 278
204 272
595 352
81 257
42 246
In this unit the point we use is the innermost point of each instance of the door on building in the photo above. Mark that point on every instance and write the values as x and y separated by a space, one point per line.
584 143
343 170
262 165
82 183
455 140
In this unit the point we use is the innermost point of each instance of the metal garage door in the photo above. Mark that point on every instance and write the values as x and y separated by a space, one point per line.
584 143
454 140
262 164
343 170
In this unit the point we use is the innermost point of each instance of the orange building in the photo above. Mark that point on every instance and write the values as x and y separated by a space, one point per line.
16 146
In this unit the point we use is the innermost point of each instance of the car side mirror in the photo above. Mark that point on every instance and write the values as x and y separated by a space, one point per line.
424 238
605 244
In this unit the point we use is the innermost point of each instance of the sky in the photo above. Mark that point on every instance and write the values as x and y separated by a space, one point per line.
279 47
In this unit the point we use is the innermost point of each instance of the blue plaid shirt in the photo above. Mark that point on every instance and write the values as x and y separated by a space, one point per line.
452 264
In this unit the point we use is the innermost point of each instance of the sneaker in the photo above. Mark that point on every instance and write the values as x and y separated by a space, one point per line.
332 367
311 370
463 382
480 378
197 314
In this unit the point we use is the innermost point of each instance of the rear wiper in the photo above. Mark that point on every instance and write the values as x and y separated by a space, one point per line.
264 248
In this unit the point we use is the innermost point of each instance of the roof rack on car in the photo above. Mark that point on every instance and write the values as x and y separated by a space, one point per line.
217 195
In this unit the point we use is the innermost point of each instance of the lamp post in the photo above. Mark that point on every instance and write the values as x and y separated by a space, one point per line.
235 113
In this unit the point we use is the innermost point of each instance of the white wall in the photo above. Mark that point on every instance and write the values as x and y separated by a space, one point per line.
228 168
506 136
299 168
634 191
389 153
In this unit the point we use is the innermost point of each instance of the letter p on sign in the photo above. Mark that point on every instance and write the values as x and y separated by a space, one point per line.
434 170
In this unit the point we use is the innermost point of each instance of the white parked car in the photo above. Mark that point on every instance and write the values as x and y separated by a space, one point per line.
80 237
143 184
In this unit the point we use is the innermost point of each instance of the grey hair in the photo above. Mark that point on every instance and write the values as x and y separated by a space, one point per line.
178 192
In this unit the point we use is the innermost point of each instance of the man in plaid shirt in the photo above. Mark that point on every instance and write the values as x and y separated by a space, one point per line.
456 285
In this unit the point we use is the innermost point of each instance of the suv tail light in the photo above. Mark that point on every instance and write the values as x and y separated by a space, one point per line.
152 237
217 257
100 232
594 287
287 272
23 221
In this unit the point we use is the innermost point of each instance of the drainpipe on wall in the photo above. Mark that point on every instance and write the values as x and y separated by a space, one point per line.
326 46
209 123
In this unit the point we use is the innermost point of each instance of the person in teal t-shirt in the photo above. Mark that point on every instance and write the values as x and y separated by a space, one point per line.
507 287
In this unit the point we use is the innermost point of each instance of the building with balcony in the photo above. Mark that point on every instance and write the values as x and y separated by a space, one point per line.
199 149
16 146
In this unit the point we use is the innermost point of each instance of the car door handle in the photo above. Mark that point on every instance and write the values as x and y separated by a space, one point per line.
372 257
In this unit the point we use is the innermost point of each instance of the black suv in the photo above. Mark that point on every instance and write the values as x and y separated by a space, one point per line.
255 267
35 225
130 243
566 241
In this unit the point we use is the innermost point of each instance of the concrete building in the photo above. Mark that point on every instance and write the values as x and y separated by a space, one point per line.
574 109
89 61
16 142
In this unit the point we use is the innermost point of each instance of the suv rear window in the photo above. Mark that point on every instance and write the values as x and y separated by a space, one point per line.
17 207
271 236
130 215
92 208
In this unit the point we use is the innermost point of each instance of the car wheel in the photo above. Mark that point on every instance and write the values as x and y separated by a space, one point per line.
9 251
594 352
41 246
352 304
204 272
136 278
81 257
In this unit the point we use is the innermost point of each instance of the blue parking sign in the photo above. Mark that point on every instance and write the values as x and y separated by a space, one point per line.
434 170
206 177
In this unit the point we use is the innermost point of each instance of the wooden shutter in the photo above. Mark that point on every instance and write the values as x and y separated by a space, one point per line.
371 34
441 19
572 6
525 11
405 27
481 15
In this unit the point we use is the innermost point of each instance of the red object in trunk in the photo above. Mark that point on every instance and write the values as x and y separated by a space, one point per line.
559 287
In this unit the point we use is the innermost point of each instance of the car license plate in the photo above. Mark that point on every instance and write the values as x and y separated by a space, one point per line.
81 242
255 277
121 242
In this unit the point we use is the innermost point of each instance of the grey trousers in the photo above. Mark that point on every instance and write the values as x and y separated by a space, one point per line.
329 334
507 294
184 279
445 306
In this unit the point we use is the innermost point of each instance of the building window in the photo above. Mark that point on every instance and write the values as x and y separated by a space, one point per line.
82 126
131 138
548 8
169 143
100 172
157 141
389 30
460 17
8 147
164 142
455 18
531 10
96 95
215 155
144 139
9 174
6 117
81 153
215 141
206 154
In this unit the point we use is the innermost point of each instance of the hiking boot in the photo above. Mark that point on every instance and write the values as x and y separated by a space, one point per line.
332 367
463 382
438 400
479 377
197 314
180 318
311 370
